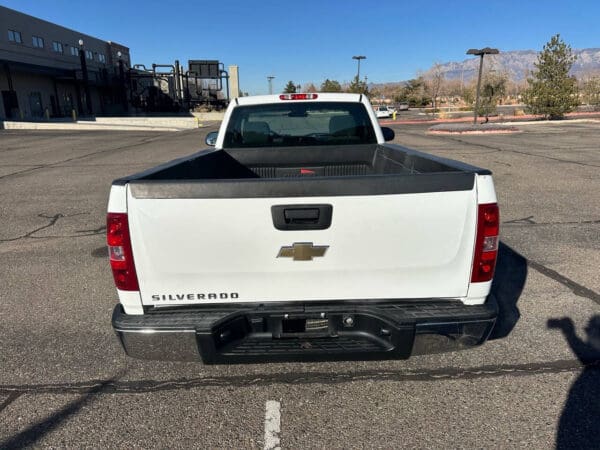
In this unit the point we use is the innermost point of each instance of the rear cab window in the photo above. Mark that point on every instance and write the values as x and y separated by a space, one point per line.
299 124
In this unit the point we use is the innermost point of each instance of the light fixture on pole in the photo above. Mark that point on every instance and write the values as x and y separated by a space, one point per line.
480 52
270 78
358 58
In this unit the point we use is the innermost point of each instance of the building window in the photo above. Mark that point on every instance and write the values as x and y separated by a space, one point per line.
74 51
89 54
15 36
37 41
57 47
101 58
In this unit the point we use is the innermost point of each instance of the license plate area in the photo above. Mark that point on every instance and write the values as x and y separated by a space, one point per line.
300 326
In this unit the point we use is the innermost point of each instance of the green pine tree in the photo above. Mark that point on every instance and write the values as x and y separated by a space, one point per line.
414 93
331 86
358 87
552 92
290 88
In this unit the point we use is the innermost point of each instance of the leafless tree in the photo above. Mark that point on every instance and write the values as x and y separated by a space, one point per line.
434 82
590 90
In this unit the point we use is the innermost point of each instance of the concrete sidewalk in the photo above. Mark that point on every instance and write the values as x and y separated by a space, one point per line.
150 123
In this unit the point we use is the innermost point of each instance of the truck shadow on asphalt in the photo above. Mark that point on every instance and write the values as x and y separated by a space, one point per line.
579 422
508 284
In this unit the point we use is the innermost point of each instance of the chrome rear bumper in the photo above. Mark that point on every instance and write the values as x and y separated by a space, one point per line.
306 332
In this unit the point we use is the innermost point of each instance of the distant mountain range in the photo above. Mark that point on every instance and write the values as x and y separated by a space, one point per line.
518 63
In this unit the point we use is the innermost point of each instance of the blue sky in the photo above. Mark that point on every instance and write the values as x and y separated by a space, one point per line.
312 40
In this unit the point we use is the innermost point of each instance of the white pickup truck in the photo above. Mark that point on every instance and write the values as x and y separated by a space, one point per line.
302 235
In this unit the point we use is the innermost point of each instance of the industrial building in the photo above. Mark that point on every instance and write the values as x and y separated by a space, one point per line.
47 70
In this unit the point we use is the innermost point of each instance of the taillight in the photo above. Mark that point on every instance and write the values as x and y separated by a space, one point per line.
119 252
486 243
298 97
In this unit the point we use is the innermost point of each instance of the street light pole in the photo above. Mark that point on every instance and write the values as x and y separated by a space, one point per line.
480 53
270 78
478 88
358 58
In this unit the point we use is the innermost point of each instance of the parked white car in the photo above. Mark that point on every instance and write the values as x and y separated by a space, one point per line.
383 112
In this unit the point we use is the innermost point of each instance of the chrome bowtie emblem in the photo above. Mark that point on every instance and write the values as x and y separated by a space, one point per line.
302 251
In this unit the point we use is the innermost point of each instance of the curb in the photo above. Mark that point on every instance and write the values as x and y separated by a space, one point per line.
506 120
553 122
463 128
508 131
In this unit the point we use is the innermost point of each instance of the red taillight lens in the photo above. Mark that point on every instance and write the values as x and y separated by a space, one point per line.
486 243
298 97
119 251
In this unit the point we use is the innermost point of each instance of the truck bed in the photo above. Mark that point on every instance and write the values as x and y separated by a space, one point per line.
372 169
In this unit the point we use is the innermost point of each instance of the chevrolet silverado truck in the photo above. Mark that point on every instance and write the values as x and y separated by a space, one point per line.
300 234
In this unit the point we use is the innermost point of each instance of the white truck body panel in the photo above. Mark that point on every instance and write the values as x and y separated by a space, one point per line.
387 246
117 201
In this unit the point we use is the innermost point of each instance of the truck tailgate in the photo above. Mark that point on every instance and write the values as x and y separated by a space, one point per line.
203 250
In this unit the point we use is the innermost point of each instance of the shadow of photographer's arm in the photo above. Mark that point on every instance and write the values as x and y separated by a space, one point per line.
584 351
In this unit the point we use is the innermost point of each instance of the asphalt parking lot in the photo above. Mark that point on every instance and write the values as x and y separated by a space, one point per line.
64 381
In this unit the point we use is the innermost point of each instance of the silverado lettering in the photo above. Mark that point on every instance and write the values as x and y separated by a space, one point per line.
210 296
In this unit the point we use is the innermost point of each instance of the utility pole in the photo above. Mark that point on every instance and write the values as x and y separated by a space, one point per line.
270 78
358 58
480 52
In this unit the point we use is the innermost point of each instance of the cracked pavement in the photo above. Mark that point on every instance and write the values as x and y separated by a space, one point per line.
64 381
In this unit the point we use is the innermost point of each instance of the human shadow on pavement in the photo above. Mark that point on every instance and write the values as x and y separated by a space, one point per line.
508 284
579 425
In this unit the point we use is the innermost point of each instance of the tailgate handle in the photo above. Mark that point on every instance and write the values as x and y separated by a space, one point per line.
301 217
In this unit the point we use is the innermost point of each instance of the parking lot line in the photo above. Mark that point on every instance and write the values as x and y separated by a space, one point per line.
272 425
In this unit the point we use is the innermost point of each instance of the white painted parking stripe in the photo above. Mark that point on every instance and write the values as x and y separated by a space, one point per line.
272 425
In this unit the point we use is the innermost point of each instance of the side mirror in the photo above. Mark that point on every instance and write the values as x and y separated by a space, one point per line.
211 138
388 134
